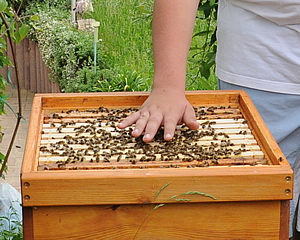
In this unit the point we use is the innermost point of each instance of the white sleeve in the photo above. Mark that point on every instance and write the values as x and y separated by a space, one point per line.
281 12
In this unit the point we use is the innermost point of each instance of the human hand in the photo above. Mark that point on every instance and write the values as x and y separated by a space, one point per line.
166 108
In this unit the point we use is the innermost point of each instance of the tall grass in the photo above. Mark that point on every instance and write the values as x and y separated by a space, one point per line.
125 29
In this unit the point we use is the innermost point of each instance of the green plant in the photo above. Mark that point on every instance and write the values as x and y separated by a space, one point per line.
201 61
12 30
64 4
124 47
14 229
69 52
125 28
125 31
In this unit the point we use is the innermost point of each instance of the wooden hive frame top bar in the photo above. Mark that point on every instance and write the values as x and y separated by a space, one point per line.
271 174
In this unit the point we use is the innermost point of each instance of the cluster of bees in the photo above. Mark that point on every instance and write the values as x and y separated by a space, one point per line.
102 142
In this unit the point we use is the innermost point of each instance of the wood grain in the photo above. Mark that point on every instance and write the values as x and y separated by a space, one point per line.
31 147
134 186
241 220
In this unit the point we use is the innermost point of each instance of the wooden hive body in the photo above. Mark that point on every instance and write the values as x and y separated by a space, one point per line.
242 196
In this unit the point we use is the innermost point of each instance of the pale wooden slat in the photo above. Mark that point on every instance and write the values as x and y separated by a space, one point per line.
51 158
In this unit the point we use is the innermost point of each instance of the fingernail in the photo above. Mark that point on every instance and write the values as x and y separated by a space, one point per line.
168 136
147 136
136 130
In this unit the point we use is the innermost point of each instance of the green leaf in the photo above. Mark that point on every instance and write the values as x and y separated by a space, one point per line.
201 33
3 5
204 7
212 2
3 29
12 29
22 32
4 60
34 17
3 83
142 9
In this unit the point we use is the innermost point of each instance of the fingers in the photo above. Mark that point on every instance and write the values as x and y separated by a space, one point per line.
148 121
151 126
144 122
189 118
169 128
140 124
129 120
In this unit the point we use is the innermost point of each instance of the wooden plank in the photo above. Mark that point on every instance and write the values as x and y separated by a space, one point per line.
133 99
46 79
30 153
254 148
38 71
33 70
261 132
72 113
209 98
27 223
114 163
11 68
20 59
238 220
41 70
148 165
133 186
284 220
26 71
89 118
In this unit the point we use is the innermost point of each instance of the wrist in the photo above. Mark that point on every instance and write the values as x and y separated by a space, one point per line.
168 90
169 84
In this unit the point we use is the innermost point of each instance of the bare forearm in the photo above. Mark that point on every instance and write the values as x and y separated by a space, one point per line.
173 24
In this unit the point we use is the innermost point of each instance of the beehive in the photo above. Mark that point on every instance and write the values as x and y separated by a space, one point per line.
83 178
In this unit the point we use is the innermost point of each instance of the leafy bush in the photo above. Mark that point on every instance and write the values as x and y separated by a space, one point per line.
12 30
64 49
69 54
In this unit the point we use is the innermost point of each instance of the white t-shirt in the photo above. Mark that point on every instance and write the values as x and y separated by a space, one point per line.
259 44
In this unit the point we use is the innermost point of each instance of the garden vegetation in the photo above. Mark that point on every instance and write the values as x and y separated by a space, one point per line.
124 50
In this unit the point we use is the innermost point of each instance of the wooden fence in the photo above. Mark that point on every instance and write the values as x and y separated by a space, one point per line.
33 71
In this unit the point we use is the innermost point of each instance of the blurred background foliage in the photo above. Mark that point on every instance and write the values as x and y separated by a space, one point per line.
124 50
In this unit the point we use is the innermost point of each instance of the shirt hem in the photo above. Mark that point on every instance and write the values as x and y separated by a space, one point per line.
259 84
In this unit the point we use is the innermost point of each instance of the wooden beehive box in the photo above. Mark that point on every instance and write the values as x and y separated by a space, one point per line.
82 178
